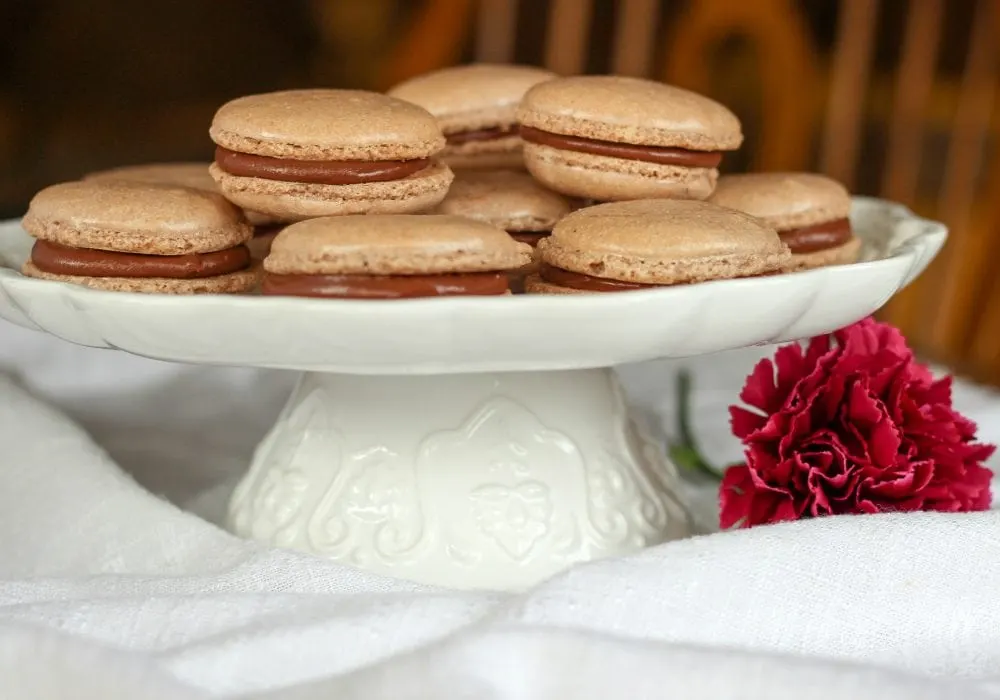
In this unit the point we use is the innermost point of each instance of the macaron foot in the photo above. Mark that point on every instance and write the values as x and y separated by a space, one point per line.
841 255
606 179
239 282
533 284
296 201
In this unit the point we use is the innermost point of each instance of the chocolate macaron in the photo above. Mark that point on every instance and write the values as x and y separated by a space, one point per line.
139 237
194 175
475 106
305 153
644 244
611 138
507 199
179 174
391 257
810 212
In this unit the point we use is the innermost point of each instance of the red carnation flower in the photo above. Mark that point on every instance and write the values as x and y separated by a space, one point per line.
850 424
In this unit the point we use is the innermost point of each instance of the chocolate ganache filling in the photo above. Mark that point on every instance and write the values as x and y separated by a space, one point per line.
492 134
386 286
822 236
317 172
59 259
577 280
660 155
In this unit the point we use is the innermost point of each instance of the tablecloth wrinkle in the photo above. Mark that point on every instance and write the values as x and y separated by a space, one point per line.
116 580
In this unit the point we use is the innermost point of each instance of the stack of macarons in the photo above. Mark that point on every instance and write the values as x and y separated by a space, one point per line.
461 181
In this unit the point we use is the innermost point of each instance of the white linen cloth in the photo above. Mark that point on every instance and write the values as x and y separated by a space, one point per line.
115 584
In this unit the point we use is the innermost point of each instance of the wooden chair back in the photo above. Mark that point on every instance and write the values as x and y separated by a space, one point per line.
815 110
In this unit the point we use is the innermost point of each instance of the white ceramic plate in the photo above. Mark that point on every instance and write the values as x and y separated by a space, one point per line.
459 335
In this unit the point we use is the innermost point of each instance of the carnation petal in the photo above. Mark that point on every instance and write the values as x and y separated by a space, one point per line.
868 414
780 509
904 481
744 423
868 337
796 369
735 495
759 390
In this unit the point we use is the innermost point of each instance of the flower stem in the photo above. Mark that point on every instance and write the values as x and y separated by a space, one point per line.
684 452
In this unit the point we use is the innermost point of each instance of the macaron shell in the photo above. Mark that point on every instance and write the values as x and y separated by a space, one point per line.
533 284
668 272
393 245
257 218
327 125
233 283
472 97
841 255
194 175
179 174
479 154
785 200
135 217
260 246
294 201
603 178
509 200
630 110
663 242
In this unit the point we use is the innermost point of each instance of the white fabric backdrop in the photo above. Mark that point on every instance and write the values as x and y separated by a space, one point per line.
114 587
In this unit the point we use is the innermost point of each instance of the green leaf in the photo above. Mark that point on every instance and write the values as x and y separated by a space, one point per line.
684 452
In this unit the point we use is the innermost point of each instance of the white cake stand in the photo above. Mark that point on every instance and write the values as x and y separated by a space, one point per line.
469 442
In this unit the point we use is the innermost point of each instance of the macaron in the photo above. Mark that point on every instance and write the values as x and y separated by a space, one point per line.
306 153
475 106
507 199
180 174
391 257
810 212
643 244
194 175
139 237
611 138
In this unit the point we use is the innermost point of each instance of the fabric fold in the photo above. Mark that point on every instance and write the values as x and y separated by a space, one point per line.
102 577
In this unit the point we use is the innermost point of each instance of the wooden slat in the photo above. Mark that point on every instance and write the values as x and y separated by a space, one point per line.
779 34
634 34
496 31
352 39
568 31
959 276
907 124
434 40
913 88
984 355
848 84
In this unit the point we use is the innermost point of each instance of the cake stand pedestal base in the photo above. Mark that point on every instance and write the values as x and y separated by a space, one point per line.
469 481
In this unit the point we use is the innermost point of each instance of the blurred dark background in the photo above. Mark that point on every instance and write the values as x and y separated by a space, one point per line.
894 97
